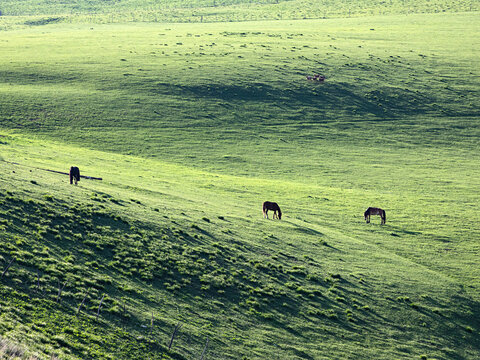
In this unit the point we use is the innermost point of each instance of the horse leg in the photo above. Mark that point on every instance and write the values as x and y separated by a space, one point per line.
265 214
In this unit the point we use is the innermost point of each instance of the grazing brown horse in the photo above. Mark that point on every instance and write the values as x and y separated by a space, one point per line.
375 211
74 175
267 205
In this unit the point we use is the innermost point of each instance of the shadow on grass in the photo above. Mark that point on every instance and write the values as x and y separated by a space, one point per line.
383 102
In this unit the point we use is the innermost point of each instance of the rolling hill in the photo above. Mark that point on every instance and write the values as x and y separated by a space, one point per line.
192 126
41 12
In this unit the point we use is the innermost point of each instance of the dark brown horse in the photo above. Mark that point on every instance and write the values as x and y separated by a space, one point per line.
375 211
267 205
74 175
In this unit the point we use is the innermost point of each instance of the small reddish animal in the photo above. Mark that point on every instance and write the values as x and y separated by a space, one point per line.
375 211
74 175
267 205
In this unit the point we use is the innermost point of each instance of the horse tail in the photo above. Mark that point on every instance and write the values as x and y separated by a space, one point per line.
264 207
384 216
71 175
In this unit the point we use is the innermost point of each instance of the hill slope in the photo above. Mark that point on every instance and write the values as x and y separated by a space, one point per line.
204 122
207 95
220 11
260 289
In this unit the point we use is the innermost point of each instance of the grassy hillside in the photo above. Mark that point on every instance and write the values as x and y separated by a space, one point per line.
217 10
191 128
192 247
213 95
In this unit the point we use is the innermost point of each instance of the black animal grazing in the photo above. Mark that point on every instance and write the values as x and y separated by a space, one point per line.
74 175
267 205
375 211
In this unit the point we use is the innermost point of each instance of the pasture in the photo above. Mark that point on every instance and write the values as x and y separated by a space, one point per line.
38 13
192 127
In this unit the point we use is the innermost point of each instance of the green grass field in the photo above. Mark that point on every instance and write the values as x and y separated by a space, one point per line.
40 12
192 127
